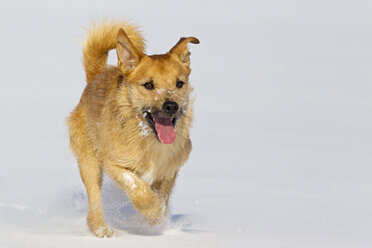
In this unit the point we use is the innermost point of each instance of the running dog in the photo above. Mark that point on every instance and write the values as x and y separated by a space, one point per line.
132 121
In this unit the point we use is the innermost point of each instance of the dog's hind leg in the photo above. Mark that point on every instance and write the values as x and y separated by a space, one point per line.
144 199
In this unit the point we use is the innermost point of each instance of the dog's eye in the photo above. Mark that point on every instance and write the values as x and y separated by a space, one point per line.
149 85
179 84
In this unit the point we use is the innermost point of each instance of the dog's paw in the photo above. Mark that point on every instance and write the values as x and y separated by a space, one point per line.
154 216
103 232
153 221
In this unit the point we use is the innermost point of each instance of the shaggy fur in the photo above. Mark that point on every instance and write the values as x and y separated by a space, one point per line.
110 131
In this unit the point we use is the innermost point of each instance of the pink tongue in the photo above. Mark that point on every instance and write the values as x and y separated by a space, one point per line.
165 130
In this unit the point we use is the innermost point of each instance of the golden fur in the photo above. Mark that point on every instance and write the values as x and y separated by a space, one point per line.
108 128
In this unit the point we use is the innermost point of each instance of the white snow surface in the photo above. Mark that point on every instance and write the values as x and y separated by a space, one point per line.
129 180
282 137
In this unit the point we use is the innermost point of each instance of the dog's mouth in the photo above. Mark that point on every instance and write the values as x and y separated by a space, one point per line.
163 126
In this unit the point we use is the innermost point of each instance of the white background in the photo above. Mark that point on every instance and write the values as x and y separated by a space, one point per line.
282 135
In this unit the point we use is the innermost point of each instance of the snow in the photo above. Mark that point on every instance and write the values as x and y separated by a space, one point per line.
128 179
160 91
144 128
281 139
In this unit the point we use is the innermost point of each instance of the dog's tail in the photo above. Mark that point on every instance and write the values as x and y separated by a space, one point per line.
101 39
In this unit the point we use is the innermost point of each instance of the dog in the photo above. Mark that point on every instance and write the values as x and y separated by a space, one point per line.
132 121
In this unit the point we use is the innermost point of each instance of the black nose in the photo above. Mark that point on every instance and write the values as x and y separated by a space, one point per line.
170 107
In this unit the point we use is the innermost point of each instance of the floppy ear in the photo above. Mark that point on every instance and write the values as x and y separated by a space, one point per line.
181 51
128 56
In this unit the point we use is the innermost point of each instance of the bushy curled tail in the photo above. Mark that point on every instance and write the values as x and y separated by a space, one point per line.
101 39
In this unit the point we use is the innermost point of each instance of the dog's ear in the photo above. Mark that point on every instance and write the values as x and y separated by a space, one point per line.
181 51
128 56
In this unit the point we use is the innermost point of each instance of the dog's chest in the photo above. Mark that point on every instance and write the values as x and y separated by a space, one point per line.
149 176
161 165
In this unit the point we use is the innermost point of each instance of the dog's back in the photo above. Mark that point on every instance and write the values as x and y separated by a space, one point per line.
99 41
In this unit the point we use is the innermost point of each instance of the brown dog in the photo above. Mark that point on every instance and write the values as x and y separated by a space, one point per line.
132 121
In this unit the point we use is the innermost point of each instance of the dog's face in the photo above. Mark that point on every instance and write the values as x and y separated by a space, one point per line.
157 86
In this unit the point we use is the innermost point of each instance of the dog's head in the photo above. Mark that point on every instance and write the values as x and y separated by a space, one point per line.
157 85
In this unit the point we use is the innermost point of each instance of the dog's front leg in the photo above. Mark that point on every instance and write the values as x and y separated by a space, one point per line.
91 175
144 199
164 189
